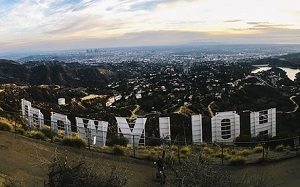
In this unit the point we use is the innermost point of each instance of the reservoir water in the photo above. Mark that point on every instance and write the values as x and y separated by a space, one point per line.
291 73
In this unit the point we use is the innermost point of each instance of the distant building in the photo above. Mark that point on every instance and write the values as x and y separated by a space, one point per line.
138 96
110 101
61 101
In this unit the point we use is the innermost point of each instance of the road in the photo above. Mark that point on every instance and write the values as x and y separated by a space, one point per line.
211 113
296 105
263 81
134 111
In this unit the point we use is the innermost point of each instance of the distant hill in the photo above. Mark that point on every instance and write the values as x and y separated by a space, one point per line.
55 73
290 60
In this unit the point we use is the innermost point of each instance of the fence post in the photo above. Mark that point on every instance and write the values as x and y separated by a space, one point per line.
15 126
89 137
133 147
222 157
263 152
178 152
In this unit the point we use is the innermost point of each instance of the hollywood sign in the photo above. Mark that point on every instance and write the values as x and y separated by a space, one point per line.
225 126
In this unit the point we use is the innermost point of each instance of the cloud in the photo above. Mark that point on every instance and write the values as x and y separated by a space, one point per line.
161 38
256 22
233 20
267 25
33 22
148 4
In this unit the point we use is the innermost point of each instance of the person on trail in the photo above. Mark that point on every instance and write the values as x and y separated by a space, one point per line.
161 169
160 164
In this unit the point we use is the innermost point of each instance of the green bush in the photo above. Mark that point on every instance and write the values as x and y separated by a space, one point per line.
117 140
258 149
5 127
237 161
225 155
208 150
48 133
243 152
158 148
118 150
74 142
185 150
280 148
36 135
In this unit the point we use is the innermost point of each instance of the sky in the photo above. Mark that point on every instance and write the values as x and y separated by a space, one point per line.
27 25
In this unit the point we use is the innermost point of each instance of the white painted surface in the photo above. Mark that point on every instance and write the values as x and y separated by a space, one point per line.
269 126
33 116
217 129
66 126
134 134
197 137
91 130
165 128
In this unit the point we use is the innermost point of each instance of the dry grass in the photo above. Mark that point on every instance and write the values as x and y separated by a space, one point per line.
36 135
5 124
74 141
258 149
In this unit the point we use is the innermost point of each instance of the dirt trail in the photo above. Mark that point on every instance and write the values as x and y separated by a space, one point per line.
20 157
296 105
211 113
134 111
280 174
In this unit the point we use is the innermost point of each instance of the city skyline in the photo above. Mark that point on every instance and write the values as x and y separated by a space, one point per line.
31 25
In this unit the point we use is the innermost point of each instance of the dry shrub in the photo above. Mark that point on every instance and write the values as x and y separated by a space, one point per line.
185 150
5 126
74 141
118 150
79 173
11 182
243 152
280 148
258 149
36 135
194 172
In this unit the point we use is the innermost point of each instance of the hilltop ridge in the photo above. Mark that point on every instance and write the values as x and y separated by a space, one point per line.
54 73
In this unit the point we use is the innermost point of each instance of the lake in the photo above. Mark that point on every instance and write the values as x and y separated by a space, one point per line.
291 73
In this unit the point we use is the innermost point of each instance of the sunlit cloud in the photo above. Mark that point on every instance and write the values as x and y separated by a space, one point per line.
36 22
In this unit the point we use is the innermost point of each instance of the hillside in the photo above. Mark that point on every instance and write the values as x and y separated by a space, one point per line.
289 60
25 160
55 73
